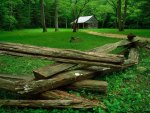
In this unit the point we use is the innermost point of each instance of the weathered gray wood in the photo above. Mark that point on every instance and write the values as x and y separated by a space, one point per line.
58 94
74 61
7 84
43 72
96 68
63 54
112 46
89 63
28 87
147 47
43 85
15 78
133 57
93 85
50 70
39 86
39 103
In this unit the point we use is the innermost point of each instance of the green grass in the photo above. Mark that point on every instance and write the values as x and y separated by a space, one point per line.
137 32
128 90
55 40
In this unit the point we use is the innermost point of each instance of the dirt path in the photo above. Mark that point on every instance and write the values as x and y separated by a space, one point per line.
110 35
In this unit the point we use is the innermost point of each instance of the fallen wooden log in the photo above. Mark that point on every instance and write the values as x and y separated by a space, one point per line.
109 65
50 70
112 46
7 84
147 48
16 78
92 85
65 60
102 49
58 94
39 86
62 79
54 94
11 82
55 54
133 57
96 68
39 103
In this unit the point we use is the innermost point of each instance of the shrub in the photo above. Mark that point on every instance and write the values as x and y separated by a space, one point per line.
9 22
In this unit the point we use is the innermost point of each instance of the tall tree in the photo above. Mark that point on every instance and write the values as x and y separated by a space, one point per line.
56 15
43 16
65 12
145 13
77 9
125 13
119 15
113 3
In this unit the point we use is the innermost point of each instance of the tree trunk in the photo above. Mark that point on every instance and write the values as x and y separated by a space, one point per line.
66 23
125 14
75 27
29 10
119 15
56 14
11 14
39 103
116 20
43 16
103 22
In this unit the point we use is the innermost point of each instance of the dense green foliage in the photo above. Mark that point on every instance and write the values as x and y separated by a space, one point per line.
128 90
26 13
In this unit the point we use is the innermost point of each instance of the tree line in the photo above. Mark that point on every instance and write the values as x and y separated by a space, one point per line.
19 14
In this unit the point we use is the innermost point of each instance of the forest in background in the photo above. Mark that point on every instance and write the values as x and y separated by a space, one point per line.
20 14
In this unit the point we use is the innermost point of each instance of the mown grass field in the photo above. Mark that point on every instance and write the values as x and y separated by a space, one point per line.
138 32
53 39
128 90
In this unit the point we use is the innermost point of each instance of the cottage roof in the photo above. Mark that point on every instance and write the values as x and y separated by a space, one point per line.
84 19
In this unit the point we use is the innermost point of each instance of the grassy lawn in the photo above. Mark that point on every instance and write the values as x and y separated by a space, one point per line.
53 39
139 32
128 90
